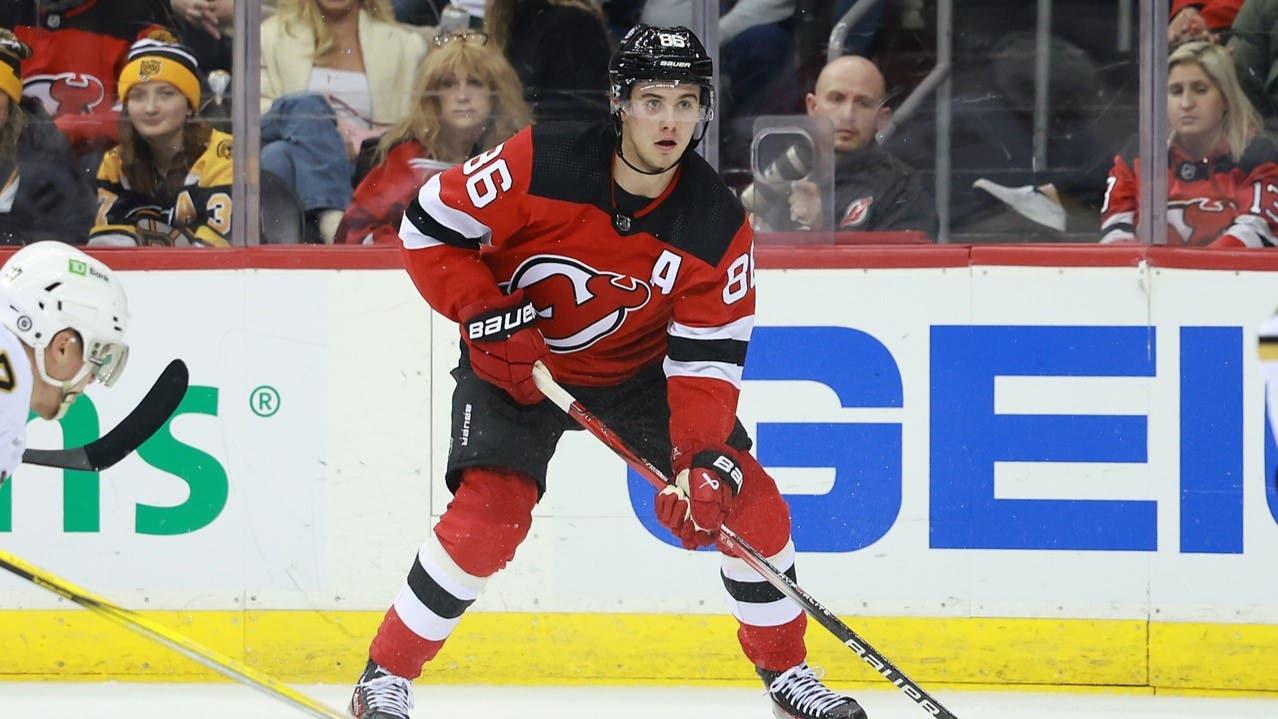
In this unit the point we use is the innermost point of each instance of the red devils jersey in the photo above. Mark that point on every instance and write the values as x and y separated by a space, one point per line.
672 283
1218 14
78 54
380 200
1213 201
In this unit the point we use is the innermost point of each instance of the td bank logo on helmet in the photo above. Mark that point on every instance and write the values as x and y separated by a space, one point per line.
577 304
83 269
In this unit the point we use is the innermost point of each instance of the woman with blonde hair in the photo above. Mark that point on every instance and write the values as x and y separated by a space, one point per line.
334 73
560 49
469 100
1222 173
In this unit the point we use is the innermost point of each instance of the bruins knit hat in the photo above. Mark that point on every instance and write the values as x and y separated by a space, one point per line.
12 52
159 57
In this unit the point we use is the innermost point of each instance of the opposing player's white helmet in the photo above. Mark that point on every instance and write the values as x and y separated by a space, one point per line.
47 287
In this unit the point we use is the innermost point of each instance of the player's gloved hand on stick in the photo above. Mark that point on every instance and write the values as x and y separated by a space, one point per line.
711 483
674 513
504 344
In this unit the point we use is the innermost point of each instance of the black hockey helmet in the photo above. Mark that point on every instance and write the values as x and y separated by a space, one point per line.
648 53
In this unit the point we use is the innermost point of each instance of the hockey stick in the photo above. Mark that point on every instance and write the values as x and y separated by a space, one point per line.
150 414
179 643
759 563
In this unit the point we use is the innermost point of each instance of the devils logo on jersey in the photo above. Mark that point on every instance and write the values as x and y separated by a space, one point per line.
578 305
1200 220
856 214
67 93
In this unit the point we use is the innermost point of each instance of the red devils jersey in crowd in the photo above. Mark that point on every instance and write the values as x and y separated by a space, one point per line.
671 283
1212 201
381 198
78 50
1218 14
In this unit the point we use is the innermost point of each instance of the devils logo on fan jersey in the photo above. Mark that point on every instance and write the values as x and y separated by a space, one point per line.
66 93
1200 220
578 305
857 213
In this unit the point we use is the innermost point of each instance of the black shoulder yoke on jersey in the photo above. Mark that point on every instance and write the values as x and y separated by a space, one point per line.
573 162
1260 150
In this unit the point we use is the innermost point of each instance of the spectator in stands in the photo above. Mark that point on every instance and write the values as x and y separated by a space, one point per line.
334 72
560 49
872 189
41 195
1200 20
469 100
204 26
78 49
1221 172
168 182
1255 52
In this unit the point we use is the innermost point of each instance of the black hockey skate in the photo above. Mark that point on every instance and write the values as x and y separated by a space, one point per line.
381 695
797 693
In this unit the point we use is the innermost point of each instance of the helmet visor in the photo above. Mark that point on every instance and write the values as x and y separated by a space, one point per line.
106 360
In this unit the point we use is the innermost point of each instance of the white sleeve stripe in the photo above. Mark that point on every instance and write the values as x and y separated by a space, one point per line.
1117 235
729 373
451 217
1253 230
413 238
738 571
738 329
1125 218
420 619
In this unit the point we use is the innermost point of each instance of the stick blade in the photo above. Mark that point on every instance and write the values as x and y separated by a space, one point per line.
151 413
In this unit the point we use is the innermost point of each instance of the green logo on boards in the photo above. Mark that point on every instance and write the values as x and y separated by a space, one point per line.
77 267
207 486
264 400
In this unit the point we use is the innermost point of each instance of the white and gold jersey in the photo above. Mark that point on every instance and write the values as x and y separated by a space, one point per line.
16 382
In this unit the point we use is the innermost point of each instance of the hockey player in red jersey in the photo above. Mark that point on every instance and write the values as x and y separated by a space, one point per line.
615 255
1222 172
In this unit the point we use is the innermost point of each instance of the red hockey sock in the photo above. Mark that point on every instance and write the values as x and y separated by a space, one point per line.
477 536
771 625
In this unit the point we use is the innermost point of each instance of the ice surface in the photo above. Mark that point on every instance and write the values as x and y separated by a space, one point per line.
228 701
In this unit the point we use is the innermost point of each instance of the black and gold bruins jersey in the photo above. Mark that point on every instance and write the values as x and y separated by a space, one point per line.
200 216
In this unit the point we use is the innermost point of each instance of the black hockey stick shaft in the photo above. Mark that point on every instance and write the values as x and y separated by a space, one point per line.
751 556
150 414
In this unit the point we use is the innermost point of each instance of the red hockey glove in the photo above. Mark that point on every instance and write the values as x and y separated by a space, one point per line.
672 511
504 343
711 484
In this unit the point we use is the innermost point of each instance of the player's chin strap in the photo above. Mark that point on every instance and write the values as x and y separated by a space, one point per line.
696 140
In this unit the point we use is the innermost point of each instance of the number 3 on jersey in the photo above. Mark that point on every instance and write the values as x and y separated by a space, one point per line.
486 180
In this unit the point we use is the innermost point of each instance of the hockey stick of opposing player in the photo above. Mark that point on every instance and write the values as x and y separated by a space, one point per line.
546 383
150 414
179 643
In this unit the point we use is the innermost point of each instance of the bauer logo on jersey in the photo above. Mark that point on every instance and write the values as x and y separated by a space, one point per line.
857 212
578 305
